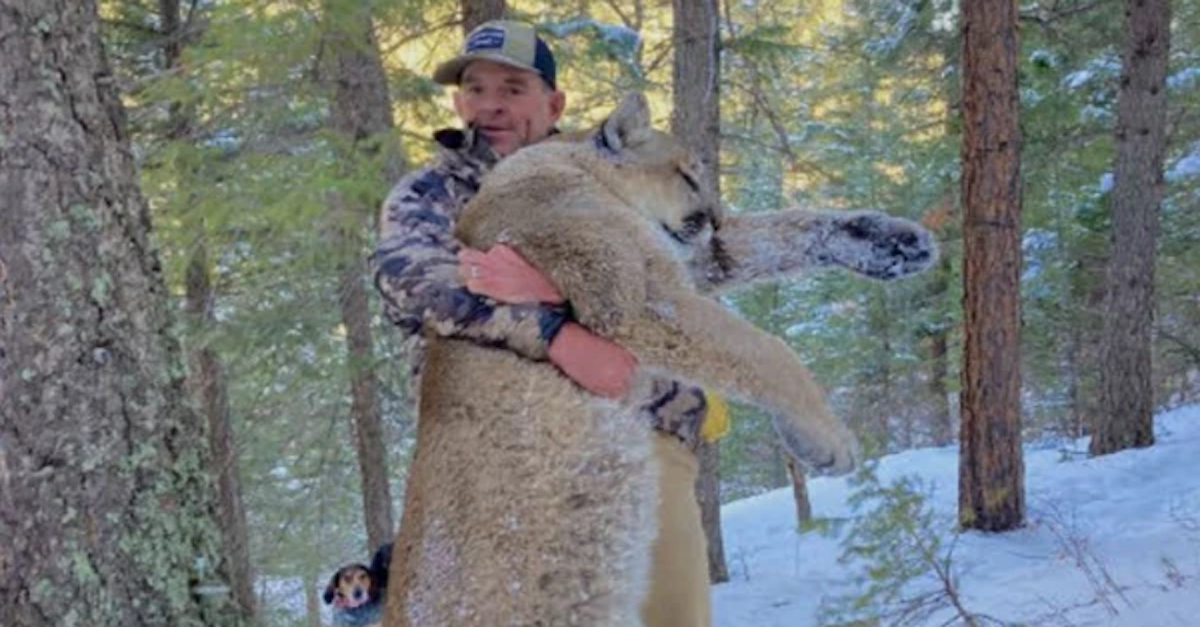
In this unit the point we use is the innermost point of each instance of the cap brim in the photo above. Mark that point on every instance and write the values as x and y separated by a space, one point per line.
450 72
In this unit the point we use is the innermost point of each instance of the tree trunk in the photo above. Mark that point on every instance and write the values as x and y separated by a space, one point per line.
1126 416
991 467
941 423
1083 335
107 514
207 377
875 379
312 600
781 476
362 118
695 119
799 491
708 494
476 12
209 387
365 411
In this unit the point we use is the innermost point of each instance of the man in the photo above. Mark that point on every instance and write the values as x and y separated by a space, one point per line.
507 98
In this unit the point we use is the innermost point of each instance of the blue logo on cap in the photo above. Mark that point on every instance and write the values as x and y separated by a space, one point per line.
486 39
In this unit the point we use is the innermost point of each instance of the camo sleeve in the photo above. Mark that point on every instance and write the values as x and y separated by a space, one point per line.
416 272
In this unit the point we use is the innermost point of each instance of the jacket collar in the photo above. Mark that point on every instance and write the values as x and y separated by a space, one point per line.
466 143
470 143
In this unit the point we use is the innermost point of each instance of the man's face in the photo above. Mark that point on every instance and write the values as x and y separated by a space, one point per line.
510 106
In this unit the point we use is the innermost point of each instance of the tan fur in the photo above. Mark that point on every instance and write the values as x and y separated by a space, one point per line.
530 502
598 226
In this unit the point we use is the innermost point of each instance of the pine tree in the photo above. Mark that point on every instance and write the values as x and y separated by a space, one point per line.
1126 415
361 119
103 469
207 378
695 120
991 468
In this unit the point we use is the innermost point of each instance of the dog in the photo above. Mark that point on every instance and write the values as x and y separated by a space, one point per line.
356 591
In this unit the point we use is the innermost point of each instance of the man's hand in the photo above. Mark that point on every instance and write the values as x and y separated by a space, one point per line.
503 274
598 365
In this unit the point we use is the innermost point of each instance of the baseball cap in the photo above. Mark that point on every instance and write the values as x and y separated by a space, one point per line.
511 43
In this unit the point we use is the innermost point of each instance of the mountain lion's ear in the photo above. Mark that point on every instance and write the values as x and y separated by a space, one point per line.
631 119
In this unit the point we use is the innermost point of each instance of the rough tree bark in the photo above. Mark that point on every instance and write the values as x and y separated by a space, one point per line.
106 512
991 467
362 118
695 119
1126 415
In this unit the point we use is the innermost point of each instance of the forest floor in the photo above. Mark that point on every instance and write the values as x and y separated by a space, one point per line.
1112 541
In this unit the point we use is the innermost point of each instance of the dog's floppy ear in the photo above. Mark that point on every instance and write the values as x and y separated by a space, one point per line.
380 564
331 589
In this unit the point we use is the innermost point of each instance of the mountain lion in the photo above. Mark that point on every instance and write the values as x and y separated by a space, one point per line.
531 502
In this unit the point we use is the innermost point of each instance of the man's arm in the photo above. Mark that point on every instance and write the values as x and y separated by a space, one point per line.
599 365
416 273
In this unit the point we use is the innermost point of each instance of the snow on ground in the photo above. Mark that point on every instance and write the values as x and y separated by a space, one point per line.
1111 541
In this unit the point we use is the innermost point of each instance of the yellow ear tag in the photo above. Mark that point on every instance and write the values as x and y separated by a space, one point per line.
716 419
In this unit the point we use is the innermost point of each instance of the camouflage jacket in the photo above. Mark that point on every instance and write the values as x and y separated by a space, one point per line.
416 272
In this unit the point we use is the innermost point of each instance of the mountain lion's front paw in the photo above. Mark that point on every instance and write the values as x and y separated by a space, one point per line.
881 246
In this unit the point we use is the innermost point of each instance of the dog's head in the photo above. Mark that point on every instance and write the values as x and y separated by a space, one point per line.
350 587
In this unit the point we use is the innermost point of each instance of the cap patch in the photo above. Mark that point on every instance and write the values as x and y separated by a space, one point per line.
486 39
